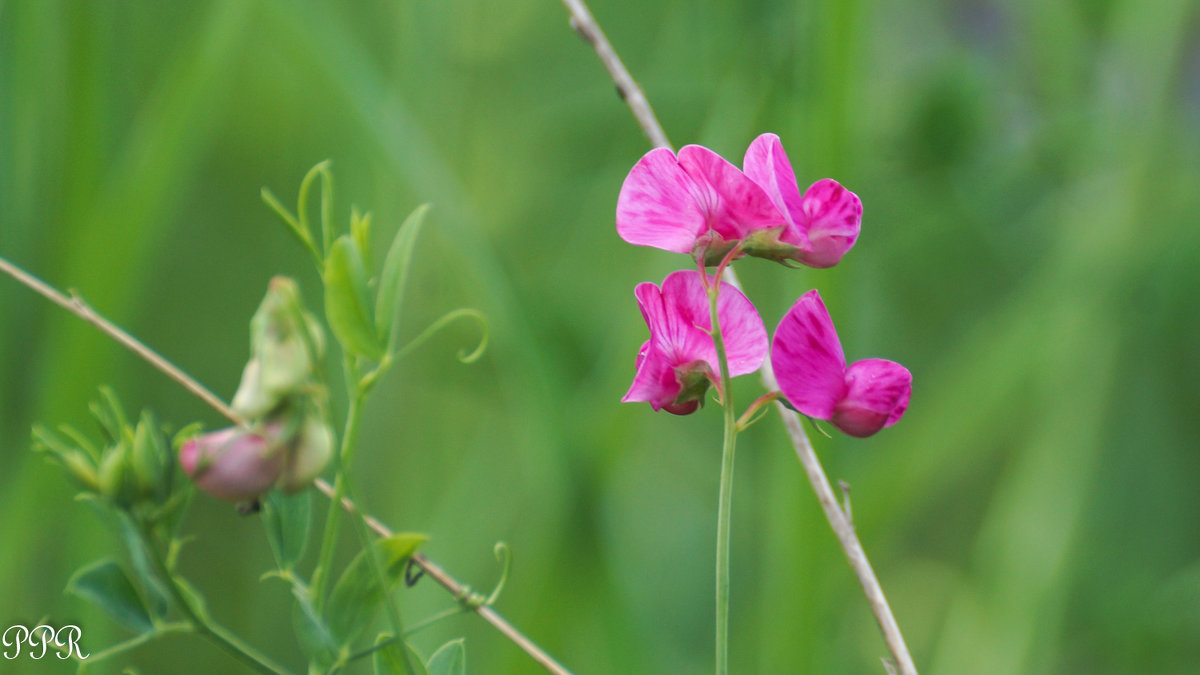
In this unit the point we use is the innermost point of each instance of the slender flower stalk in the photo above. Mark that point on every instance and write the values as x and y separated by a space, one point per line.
725 499
457 589
585 25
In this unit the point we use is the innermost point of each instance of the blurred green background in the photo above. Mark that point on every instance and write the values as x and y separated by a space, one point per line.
1030 250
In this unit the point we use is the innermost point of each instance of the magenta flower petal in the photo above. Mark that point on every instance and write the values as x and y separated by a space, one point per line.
734 204
658 206
655 382
743 331
767 164
832 219
823 223
698 198
877 393
808 359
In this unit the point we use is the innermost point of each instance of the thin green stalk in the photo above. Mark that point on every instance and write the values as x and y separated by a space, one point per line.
725 500
321 574
215 632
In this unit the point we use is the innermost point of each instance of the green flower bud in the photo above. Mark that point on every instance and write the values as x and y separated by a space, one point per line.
285 341
116 478
308 454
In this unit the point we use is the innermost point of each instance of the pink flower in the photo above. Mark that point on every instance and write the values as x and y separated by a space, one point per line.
679 361
695 203
822 224
812 373
232 463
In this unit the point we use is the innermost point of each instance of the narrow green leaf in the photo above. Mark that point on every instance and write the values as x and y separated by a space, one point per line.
356 596
449 659
388 661
105 584
311 631
143 569
346 301
395 273
286 519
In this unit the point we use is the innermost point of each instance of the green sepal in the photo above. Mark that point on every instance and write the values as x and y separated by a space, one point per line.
356 596
106 585
449 659
286 519
394 276
151 461
346 301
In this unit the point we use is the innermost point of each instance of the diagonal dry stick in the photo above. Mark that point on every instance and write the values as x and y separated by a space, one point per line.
584 24
76 305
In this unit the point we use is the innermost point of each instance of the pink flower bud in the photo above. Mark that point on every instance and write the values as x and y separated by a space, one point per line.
232 463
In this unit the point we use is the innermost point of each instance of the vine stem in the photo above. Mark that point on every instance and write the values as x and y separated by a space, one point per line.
725 499
76 305
585 25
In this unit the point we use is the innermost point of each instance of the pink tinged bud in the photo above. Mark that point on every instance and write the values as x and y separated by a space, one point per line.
822 224
679 361
232 463
692 201
812 374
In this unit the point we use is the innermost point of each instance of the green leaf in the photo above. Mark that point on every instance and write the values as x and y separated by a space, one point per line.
105 584
346 300
449 659
143 569
356 596
388 661
311 631
286 519
395 273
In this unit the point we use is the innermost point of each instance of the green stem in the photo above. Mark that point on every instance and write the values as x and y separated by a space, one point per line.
204 625
333 517
725 501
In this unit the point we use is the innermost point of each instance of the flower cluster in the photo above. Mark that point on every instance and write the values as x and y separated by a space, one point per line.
696 202
288 441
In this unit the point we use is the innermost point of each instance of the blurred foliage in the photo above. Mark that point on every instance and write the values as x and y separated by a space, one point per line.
1029 251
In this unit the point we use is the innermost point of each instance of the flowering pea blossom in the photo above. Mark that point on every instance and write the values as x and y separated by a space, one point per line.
822 224
698 203
811 369
695 202
679 361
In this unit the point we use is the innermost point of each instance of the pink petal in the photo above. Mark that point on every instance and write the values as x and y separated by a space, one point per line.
658 204
830 216
733 204
767 164
877 393
655 381
808 358
686 303
742 330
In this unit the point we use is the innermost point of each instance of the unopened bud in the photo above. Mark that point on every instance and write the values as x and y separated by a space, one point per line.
307 456
283 337
232 463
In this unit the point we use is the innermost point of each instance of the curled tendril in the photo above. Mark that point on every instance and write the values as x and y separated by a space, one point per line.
446 319
504 557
